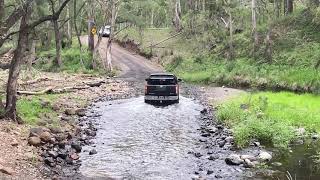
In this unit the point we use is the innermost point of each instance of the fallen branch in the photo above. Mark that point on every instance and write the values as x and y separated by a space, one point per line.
154 45
46 91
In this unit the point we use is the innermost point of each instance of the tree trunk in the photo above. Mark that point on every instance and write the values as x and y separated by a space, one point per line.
58 60
177 18
69 27
152 17
231 50
32 54
90 34
290 6
110 40
75 23
254 28
2 12
11 98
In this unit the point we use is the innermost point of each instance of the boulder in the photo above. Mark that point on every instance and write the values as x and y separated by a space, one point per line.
53 154
300 132
81 112
34 141
233 159
264 156
74 156
36 131
45 136
76 146
250 157
92 152
6 170
70 112
248 164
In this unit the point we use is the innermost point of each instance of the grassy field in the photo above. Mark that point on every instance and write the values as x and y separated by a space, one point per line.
270 117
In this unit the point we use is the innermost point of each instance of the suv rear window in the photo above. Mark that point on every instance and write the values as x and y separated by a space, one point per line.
162 80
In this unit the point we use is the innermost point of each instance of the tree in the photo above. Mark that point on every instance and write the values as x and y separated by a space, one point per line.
254 26
177 16
91 24
23 33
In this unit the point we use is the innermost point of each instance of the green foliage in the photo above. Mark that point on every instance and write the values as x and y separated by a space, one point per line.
71 59
31 110
270 117
247 73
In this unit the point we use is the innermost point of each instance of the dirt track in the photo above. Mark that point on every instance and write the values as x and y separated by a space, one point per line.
133 67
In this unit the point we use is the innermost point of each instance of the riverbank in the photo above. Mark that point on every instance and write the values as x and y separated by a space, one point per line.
49 105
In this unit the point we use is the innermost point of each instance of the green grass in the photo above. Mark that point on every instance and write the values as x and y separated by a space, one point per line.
71 60
247 73
270 117
31 111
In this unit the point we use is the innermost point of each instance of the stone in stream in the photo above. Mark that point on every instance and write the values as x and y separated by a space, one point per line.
74 156
248 164
92 152
53 154
221 143
209 172
212 129
205 134
62 154
204 111
213 157
76 146
34 141
81 112
198 155
264 156
250 157
233 159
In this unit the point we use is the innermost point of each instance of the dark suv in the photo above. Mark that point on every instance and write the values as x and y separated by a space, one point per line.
162 87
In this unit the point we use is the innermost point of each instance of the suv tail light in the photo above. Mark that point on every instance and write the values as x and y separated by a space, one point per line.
145 89
177 89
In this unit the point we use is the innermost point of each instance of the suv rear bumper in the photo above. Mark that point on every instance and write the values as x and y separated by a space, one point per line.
161 98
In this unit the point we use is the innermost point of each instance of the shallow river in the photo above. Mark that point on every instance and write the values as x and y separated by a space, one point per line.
141 141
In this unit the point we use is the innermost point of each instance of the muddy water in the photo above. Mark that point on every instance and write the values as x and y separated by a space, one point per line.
141 141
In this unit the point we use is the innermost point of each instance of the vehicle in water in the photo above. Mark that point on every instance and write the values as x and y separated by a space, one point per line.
162 88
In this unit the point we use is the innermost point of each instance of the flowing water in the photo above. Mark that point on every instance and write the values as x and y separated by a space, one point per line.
141 141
